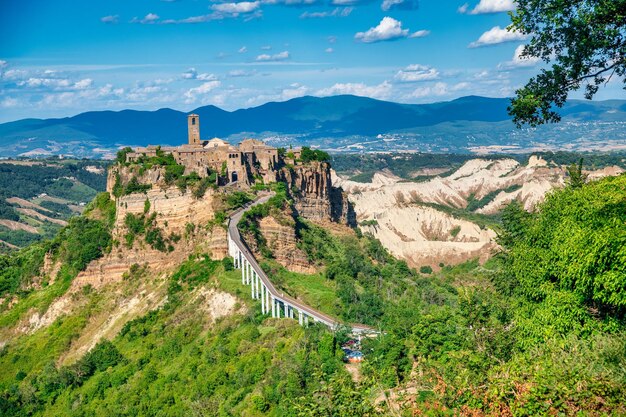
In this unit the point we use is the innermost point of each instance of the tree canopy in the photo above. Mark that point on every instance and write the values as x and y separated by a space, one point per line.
584 40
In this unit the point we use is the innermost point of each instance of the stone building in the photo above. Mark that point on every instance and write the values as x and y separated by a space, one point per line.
241 164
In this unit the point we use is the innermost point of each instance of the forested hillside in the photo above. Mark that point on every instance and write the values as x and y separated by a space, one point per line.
37 197
538 330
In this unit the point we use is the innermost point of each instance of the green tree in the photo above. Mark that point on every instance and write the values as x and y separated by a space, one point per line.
576 177
585 40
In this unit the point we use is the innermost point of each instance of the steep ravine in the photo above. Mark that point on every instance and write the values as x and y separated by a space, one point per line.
405 218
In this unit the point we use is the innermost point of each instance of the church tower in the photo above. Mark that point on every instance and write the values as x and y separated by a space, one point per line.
193 128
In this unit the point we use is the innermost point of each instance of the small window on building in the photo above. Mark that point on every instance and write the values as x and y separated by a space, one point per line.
193 121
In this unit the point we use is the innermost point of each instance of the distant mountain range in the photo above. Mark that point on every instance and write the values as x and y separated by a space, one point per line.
339 122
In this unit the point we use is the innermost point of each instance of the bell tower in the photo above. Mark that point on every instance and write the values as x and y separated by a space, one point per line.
193 129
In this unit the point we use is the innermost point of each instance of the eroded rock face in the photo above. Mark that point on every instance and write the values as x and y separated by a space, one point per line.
397 212
280 237
154 176
178 214
314 196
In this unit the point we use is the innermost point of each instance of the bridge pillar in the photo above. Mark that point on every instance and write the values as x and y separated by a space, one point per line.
286 310
252 286
262 299
243 273
306 321
300 321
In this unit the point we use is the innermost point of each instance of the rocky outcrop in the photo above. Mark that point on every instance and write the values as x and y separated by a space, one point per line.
314 196
280 238
154 176
177 214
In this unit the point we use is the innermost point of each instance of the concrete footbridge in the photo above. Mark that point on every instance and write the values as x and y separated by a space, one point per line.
275 302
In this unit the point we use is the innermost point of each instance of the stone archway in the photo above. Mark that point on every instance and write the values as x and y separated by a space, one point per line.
234 177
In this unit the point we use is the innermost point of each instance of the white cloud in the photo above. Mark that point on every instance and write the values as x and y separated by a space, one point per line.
247 9
518 60
382 90
149 19
266 47
241 73
55 83
242 50
206 77
419 34
399 5
235 9
292 2
336 12
9 102
497 35
192 74
388 29
281 56
417 72
439 89
83 84
488 6
112 19
329 50
142 93
332 39
294 90
193 93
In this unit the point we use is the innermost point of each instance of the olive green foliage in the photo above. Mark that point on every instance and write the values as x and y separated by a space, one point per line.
426 269
145 225
133 186
121 155
575 176
237 199
365 275
82 241
576 242
173 174
583 40
249 223
474 204
372 222
307 155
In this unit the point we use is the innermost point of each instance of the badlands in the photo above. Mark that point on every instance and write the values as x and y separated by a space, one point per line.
428 223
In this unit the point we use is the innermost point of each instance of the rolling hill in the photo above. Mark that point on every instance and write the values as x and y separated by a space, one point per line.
299 121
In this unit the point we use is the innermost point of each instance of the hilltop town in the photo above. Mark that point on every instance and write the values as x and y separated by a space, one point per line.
251 159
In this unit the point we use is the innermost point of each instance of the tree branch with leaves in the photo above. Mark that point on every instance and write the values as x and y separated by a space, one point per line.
583 40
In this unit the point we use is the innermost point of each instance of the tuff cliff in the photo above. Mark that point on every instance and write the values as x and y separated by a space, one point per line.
184 222
278 232
315 198
181 221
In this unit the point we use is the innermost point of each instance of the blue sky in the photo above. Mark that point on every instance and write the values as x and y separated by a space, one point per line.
59 58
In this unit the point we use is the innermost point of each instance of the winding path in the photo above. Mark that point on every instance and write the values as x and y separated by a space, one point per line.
273 301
